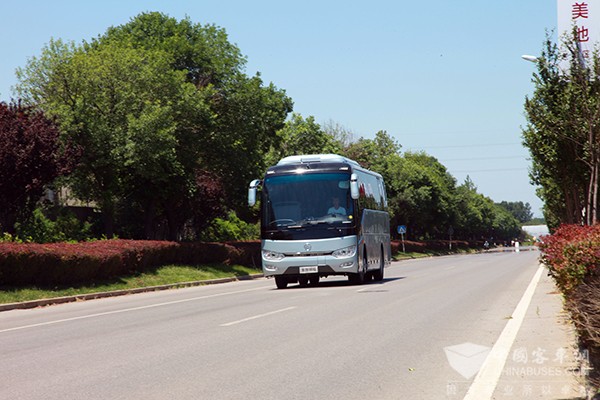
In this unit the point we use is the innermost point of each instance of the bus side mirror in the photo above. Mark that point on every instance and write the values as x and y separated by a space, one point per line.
354 186
252 192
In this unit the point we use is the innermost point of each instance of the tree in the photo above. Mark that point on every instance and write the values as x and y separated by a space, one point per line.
380 154
472 216
563 135
521 211
302 136
504 226
245 113
129 111
477 217
31 157
153 102
343 136
422 195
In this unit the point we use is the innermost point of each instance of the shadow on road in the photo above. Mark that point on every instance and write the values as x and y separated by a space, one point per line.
343 283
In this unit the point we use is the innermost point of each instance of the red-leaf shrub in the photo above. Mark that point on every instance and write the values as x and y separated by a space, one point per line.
67 263
436 245
572 254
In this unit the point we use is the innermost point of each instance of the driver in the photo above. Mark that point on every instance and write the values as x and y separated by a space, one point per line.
336 209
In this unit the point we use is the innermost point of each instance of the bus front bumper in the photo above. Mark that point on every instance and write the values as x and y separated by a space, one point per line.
297 262
295 266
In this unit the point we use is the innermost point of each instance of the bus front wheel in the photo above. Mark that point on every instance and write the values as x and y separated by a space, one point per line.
281 282
361 276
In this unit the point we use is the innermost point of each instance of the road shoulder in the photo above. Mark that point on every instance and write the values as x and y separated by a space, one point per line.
544 361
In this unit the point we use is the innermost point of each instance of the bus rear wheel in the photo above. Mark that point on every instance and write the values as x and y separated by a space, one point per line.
378 275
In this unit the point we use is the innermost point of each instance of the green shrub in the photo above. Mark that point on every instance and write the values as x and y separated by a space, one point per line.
232 228
39 228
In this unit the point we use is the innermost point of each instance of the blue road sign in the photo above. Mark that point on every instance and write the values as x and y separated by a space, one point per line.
401 229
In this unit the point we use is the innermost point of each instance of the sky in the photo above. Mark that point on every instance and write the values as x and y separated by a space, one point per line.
444 77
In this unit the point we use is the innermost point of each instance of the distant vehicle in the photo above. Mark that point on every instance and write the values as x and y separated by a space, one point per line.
322 215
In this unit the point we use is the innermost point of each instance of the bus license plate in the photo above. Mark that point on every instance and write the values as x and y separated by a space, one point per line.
309 270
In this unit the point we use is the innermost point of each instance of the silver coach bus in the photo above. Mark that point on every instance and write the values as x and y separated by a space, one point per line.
322 215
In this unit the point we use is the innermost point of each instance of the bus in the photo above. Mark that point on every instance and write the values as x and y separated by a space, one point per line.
322 215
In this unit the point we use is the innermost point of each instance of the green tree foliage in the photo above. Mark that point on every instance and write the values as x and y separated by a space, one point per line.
521 211
302 136
504 225
230 228
563 135
133 116
155 104
31 157
245 114
64 226
381 154
422 194
477 217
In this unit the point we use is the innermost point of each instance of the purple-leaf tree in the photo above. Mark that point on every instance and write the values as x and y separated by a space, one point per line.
31 157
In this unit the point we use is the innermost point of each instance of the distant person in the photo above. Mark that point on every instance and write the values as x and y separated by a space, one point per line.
336 209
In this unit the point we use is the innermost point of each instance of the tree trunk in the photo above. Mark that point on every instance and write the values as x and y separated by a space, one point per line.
572 205
173 224
592 195
149 232
109 225
108 218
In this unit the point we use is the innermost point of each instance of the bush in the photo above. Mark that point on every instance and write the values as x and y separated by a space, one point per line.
231 228
571 254
441 246
67 263
39 228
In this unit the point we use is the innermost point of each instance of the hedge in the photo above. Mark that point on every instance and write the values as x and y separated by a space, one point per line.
431 245
56 264
68 263
572 255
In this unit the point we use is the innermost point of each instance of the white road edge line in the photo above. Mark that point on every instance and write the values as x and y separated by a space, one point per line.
239 321
127 310
485 382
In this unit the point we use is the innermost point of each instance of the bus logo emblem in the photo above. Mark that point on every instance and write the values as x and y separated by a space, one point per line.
307 246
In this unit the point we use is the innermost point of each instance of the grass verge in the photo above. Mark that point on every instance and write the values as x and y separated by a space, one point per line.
165 275
431 253
410 255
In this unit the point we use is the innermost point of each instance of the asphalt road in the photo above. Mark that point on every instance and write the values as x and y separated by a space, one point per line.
248 340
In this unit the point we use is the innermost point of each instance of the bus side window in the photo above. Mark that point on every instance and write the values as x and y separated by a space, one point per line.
383 200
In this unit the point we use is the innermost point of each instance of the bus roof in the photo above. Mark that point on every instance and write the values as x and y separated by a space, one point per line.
315 158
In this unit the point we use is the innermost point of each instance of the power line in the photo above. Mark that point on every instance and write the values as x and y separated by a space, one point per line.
490 170
458 146
485 158
453 132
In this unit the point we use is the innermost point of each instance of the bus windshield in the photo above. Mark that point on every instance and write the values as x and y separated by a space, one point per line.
307 200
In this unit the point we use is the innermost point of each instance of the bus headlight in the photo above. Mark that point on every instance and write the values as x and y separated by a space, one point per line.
345 252
272 255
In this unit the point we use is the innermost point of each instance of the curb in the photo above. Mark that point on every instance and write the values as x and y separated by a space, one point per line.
90 296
